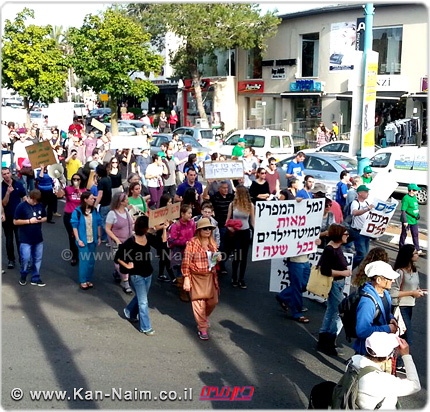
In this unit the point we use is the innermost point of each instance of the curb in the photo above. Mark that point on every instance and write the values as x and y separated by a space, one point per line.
394 239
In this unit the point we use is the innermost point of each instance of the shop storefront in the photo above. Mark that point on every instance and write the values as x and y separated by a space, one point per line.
251 93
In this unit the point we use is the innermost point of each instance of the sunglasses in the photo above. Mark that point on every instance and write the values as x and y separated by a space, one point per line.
114 163
77 180
262 173
206 228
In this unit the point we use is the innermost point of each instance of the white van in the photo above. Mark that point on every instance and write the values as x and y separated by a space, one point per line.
408 164
279 142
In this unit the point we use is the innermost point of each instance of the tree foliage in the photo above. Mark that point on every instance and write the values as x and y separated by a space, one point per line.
204 28
32 64
107 50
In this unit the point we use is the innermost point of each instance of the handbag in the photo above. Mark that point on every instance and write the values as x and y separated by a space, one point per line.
319 284
27 171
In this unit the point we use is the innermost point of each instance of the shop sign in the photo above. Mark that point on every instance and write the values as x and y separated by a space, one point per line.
424 84
342 46
359 36
250 87
279 73
305 86
392 83
204 84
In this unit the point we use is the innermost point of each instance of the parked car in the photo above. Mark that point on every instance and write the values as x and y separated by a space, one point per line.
123 130
80 110
407 164
37 117
203 135
98 114
202 152
324 167
138 125
279 142
338 146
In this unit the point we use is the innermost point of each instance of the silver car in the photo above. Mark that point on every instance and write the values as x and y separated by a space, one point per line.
324 167
203 153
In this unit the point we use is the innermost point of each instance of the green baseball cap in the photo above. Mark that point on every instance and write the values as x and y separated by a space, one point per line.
242 140
367 169
413 186
162 154
362 188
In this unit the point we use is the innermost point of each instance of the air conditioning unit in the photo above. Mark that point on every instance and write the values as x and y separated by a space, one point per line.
202 123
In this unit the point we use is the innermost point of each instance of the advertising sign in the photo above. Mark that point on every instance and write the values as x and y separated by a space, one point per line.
342 46
250 87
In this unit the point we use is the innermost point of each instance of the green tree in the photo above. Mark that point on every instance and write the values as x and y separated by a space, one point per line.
107 50
203 29
32 64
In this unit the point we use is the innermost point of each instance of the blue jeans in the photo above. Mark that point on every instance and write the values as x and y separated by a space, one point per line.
87 261
28 183
331 322
361 244
292 295
35 252
139 304
104 210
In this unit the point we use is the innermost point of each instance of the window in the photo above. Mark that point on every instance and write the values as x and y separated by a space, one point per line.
387 41
275 142
232 140
286 141
254 64
254 141
316 163
380 160
347 164
310 53
206 134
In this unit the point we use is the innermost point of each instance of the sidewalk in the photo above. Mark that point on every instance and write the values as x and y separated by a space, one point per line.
392 235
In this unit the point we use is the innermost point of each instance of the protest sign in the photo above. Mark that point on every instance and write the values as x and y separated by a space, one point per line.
280 279
377 218
382 186
98 125
286 228
229 169
158 216
91 180
41 153
128 142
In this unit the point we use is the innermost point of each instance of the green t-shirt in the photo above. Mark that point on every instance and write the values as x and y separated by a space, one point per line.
410 205
366 180
238 151
139 203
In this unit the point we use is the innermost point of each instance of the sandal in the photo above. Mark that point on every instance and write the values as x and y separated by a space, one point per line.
83 286
90 285
302 319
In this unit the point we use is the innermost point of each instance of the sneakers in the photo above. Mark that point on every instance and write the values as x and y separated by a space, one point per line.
127 316
57 214
150 332
23 281
203 335
163 278
11 264
38 283
126 287
234 283
242 284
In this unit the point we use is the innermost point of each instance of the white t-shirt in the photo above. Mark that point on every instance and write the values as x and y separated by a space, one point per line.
358 221
19 149
112 219
154 170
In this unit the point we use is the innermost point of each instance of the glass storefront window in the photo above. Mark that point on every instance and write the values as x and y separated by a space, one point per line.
254 69
217 64
387 41
192 112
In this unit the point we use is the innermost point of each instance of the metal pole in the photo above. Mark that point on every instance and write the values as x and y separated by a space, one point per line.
368 40
229 62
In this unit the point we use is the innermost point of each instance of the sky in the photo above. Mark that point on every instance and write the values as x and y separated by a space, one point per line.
63 13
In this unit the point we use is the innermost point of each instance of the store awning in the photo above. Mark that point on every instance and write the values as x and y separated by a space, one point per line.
301 95
385 95
420 96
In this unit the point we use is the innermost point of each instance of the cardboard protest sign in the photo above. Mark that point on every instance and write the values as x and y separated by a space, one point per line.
377 218
229 169
90 182
98 125
128 142
382 186
280 278
158 216
286 228
41 153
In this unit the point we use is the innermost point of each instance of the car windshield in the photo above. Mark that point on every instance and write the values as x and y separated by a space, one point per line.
190 140
346 163
206 134
380 160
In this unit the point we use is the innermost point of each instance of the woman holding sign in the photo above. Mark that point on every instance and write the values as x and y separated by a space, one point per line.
333 263
200 278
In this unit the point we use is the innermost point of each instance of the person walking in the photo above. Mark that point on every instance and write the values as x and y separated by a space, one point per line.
173 120
119 227
104 197
136 202
327 221
333 264
87 228
200 278
295 167
46 186
410 214
239 148
376 253
163 123
29 216
243 209
72 195
367 175
169 180
359 208
260 189
272 177
13 192
306 192
154 173
115 176
135 258
322 134
342 190
180 233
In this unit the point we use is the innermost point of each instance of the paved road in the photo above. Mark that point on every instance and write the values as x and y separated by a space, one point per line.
422 223
60 338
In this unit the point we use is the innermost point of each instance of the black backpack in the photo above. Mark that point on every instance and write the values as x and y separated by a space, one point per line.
348 312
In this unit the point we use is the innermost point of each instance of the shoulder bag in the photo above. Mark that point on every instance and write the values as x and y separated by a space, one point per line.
319 284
